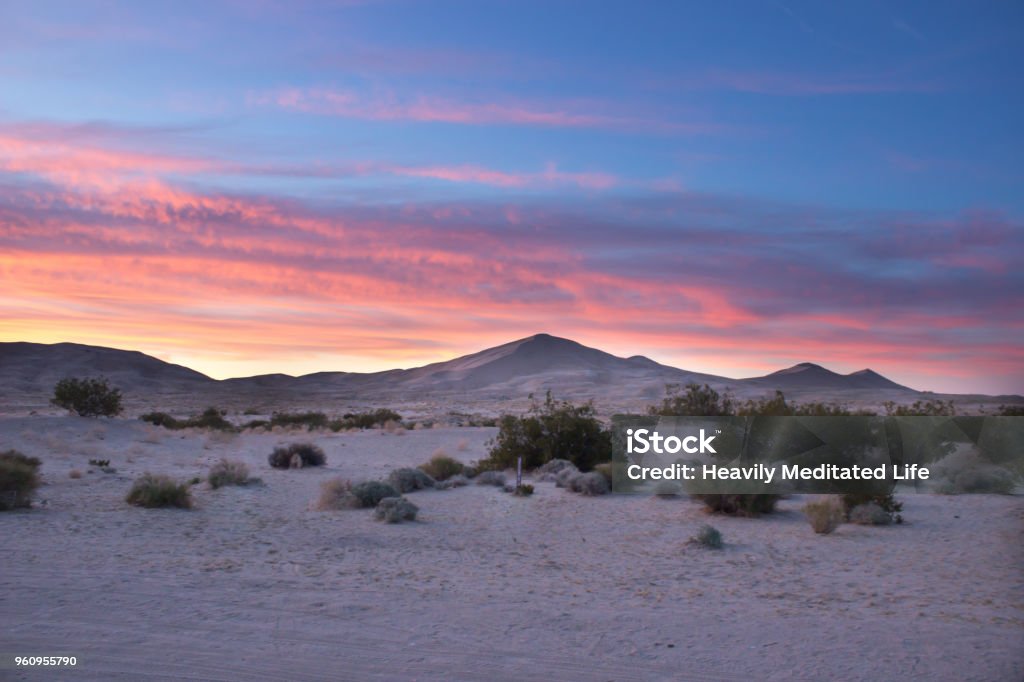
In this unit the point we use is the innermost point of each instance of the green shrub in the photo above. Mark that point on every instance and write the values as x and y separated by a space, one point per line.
407 480
297 456
364 420
523 490
87 397
228 472
210 418
694 401
19 478
707 536
588 484
553 429
753 504
395 510
156 490
605 469
370 493
311 420
824 515
441 467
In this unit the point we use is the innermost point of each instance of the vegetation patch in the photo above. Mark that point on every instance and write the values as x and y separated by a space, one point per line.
824 514
441 467
87 397
19 478
297 456
396 510
407 480
157 490
228 472
708 537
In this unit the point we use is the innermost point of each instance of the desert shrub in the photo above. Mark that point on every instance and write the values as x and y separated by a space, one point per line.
395 510
370 493
870 514
707 536
335 493
966 471
491 478
228 472
407 480
1011 411
19 477
693 401
605 469
162 419
87 397
523 490
553 467
442 467
101 463
589 484
456 481
753 504
824 515
311 420
551 429
297 456
885 501
921 408
211 418
364 420
156 490
565 476
470 471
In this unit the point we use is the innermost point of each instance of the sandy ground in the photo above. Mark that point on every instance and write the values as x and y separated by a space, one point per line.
254 585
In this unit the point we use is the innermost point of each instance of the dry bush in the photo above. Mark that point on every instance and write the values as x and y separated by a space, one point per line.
228 472
157 490
19 477
708 537
870 514
296 456
395 510
407 480
335 494
442 467
825 514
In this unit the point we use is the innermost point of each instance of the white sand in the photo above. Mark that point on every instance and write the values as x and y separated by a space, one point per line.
253 585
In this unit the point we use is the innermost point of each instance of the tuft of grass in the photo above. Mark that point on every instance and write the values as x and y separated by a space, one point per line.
19 478
335 493
708 537
228 472
441 467
396 510
297 456
156 490
825 514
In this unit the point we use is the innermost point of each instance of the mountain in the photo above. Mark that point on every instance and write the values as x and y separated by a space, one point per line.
807 375
509 371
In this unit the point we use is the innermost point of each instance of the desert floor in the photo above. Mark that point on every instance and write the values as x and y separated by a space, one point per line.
254 585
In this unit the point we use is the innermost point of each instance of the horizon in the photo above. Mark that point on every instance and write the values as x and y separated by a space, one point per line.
384 184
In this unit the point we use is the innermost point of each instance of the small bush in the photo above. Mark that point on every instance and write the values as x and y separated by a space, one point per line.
966 471
605 470
870 514
395 510
589 484
311 420
87 397
154 490
228 472
707 536
491 478
550 469
364 420
441 467
739 505
824 515
523 490
101 463
884 501
210 418
335 493
470 471
256 424
564 477
407 480
19 478
162 419
370 493
453 482
297 456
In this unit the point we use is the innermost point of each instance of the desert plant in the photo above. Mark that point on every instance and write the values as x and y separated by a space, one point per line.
869 514
335 493
395 510
370 493
551 429
707 536
157 490
162 419
605 469
87 397
364 420
407 480
442 467
228 472
211 418
491 478
297 456
667 489
456 481
753 504
589 484
552 468
694 401
1011 411
311 420
19 477
825 514
564 477
101 463
885 501
523 490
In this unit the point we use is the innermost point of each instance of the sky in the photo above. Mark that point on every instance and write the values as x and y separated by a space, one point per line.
262 186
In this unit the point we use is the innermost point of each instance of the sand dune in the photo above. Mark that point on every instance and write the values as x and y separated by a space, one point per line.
254 585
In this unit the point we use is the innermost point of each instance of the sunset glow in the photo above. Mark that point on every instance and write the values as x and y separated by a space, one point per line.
376 185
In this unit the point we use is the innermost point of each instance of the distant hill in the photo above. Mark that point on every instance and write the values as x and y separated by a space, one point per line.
512 370
807 375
